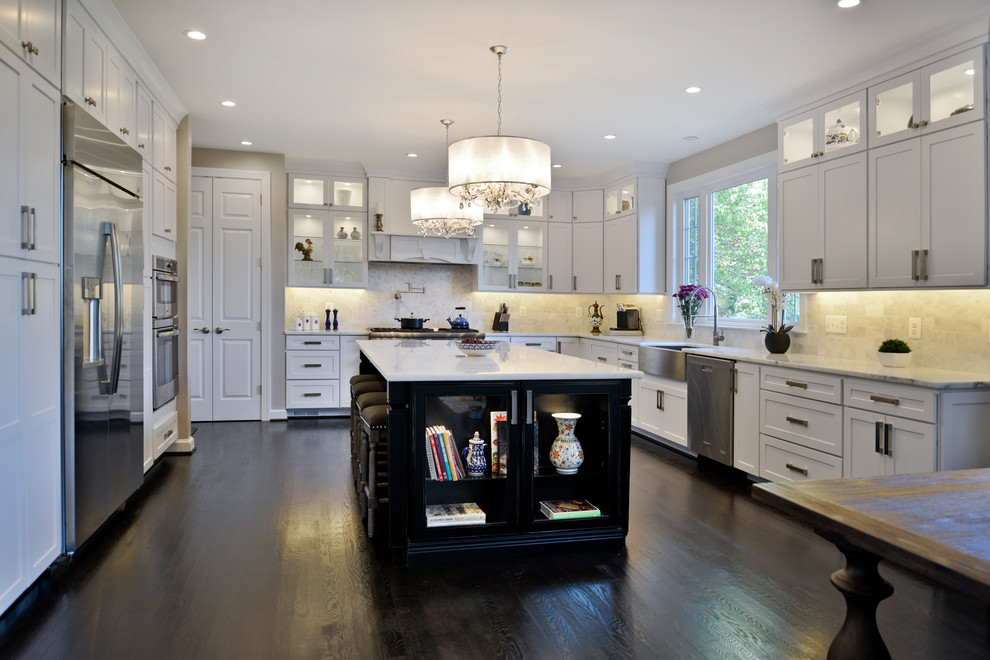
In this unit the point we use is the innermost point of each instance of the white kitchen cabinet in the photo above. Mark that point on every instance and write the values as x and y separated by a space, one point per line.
121 97
164 433
569 346
143 139
605 352
662 408
588 205
588 257
828 131
746 419
398 217
536 341
560 277
802 421
514 253
620 198
620 253
163 136
316 191
877 445
785 461
164 218
927 210
823 225
559 206
84 61
33 30
634 242
627 356
946 93
30 173
327 248
30 424
312 373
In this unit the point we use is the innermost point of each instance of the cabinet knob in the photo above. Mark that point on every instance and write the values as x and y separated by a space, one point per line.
89 101
125 131
141 145
923 122
168 168
168 231
29 47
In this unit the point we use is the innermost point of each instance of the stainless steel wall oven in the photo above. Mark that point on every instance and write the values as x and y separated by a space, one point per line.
165 322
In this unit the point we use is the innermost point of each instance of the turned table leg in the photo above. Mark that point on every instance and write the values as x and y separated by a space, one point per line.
863 588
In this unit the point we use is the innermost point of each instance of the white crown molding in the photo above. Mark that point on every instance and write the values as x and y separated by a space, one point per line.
908 57
120 35
334 167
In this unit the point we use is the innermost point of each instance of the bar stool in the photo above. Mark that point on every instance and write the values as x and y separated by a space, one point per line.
374 464
362 401
360 384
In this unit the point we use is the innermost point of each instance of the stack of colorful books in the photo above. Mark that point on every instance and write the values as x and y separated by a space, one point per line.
443 458
561 509
449 515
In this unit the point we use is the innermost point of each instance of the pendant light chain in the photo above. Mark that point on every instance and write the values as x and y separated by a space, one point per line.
499 133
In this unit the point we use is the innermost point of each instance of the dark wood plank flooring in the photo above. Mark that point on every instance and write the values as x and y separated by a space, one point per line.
253 548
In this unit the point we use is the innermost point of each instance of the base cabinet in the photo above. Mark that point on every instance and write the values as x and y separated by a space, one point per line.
662 408
878 445
746 419
429 428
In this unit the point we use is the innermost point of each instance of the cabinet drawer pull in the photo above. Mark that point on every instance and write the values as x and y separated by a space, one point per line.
884 399
312 343
168 434
877 426
660 400
796 383
795 420
308 366
534 343
602 359
791 466
574 277
311 394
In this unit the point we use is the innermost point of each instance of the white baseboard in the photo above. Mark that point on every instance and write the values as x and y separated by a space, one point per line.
278 415
182 446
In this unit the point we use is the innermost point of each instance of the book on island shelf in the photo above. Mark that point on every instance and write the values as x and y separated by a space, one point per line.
447 515
560 509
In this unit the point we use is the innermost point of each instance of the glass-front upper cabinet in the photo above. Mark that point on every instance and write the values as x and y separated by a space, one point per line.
316 191
328 249
830 130
620 198
946 93
513 256
535 209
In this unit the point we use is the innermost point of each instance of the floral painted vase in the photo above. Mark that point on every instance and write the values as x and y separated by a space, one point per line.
566 453
474 457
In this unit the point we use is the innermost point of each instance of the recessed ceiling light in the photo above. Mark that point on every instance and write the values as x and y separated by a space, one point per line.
847 3
412 155
196 34
556 165
609 137
690 138
227 104
247 143
693 89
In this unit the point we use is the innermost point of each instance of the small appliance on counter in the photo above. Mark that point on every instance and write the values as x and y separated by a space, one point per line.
501 323
626 321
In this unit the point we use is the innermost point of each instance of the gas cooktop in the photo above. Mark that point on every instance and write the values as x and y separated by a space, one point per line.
424 333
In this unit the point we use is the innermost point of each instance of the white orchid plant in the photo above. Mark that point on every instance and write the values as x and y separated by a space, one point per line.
775 297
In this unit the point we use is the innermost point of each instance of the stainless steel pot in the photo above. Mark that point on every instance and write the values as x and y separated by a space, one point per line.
411 323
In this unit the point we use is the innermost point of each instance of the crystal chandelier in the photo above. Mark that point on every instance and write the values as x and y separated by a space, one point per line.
437 212
498 172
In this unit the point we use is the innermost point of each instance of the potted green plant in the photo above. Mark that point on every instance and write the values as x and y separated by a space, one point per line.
776 340
894 353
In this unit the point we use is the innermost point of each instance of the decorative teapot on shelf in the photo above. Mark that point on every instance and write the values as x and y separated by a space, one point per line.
459 323
596 317
839 135
474 457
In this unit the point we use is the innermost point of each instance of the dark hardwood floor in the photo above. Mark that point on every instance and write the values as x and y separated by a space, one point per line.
253 548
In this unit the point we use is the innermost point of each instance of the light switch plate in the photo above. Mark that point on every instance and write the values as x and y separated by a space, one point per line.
835 324
577 312
914 328
522 310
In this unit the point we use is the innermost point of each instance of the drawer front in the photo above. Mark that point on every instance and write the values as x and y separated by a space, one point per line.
542 343
164 434
315 342
784 461
312 394
805 384
628 353
605 353
801 421
900 400
304 364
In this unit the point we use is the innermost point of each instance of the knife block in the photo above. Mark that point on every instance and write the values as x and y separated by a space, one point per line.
501 322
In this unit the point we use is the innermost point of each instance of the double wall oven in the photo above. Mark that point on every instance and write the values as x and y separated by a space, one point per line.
165 322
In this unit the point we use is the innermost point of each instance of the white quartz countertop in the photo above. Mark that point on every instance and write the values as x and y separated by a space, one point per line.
440 360
330 333
873 370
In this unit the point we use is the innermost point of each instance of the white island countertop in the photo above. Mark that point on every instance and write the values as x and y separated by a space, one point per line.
440 360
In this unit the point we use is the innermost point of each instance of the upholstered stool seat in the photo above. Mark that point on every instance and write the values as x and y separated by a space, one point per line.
367 383
373 463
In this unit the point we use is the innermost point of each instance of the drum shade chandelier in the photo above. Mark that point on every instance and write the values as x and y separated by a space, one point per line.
438 212
498 172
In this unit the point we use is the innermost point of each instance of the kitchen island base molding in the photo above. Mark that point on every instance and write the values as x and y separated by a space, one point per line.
488 548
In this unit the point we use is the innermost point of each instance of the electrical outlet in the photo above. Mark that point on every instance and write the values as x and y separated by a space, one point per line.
659 314
522 310
577 312
914 328
835 324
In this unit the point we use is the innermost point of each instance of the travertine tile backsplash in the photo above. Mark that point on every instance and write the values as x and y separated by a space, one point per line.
955 324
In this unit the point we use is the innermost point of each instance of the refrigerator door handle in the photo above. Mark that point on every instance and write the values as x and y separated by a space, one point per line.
110 229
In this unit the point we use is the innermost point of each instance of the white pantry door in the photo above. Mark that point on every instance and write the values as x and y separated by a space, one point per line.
225 299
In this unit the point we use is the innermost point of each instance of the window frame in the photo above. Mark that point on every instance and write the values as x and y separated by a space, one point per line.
703 186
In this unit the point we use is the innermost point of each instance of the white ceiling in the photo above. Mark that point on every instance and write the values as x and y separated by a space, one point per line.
369 80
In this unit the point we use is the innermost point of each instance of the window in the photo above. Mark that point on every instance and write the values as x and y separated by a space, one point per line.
726 238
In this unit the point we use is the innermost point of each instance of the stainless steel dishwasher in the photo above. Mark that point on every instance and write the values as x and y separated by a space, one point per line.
710 385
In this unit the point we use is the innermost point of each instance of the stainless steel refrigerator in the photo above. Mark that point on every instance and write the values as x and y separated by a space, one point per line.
103 298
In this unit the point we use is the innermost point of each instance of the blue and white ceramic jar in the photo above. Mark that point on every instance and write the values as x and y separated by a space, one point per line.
474 457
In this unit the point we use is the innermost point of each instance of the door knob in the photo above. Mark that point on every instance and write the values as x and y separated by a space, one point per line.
220 330
205 330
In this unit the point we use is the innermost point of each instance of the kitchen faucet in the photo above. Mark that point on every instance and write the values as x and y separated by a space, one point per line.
716 337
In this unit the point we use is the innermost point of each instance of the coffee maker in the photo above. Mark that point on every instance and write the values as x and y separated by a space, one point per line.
627 318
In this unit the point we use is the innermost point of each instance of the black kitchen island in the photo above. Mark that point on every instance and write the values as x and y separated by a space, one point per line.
439 399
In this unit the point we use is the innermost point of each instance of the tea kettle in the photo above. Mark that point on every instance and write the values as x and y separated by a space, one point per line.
459 323
595 314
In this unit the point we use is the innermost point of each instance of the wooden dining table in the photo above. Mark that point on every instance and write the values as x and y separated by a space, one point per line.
935 524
